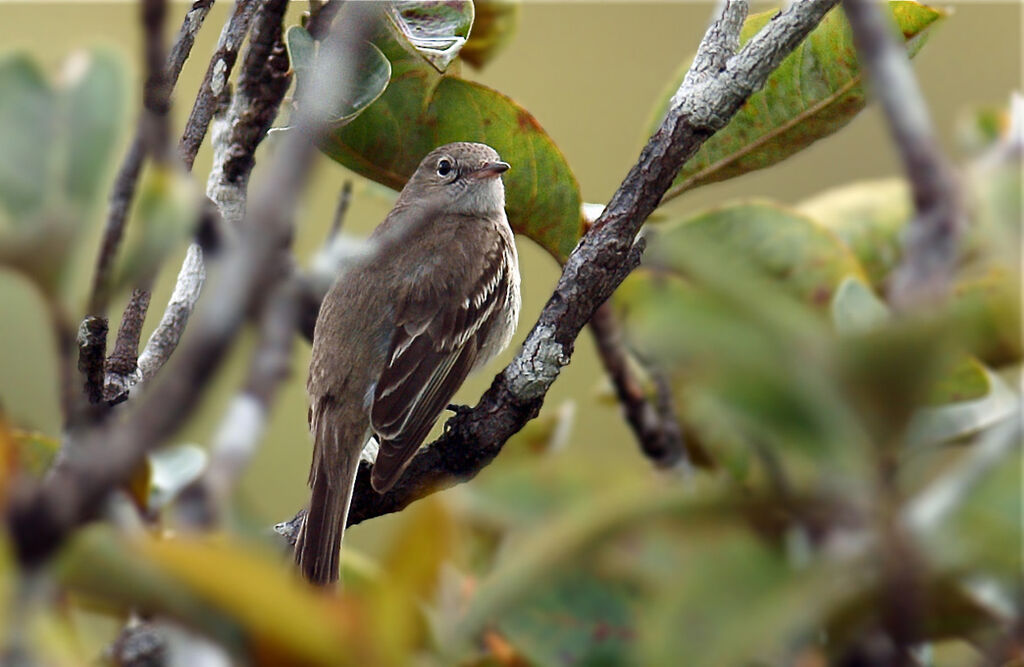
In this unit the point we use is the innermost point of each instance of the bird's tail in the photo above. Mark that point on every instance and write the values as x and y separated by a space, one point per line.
333 475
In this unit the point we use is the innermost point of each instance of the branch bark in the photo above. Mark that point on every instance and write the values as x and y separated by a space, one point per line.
705 102
930 243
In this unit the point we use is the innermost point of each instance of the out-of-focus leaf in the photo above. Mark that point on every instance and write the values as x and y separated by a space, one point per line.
301 49
241 598
991 303
374 74
171 469
94 101
888 373
421 110
494 27
166 212
544 551
808 260
950 421
741 350
35 451
947 612
546 434
735 602
436 30
578 619
980 128
28 135
869 217
815 91
986 518
413 566
855 308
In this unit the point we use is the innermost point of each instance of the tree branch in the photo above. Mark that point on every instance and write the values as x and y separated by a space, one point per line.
653 423
605 255
930 243
215 83
160 81
41 516
151 136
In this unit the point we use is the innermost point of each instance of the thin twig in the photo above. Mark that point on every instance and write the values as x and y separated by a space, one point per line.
123 359
339 212
600 262
151 135
930 243
215 82
656 430
262 83
123 192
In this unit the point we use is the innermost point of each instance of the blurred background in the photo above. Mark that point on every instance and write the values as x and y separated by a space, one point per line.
591 74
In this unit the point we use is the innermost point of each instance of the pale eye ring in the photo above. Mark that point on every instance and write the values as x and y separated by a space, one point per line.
445 167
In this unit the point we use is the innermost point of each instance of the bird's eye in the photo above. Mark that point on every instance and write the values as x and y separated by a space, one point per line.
444 166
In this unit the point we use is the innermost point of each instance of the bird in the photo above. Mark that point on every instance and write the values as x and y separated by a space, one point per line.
435 297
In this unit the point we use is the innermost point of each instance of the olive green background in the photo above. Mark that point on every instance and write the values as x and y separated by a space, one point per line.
590 73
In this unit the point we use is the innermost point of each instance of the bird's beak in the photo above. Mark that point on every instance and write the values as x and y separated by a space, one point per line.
491 170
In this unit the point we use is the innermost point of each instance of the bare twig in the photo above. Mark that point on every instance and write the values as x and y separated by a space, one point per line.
601 261
213 94
339 212
931 238
653 423
215 83
159 82
262 83
151 135
126 348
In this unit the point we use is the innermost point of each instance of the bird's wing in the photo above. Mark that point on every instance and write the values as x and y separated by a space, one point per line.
435 344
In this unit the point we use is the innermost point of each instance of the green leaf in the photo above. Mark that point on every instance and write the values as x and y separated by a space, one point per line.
735 602
579 619
870 218
991 304
541 554
421 110
815 91
28 133
375 72
301 49
805 258
436 30
494 26
95 102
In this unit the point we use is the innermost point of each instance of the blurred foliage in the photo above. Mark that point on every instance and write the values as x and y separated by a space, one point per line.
55 144
864 480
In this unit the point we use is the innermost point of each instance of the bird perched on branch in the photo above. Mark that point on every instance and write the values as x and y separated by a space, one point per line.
436 297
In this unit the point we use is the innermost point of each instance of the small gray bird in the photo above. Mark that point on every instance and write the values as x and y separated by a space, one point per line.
436 297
